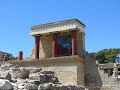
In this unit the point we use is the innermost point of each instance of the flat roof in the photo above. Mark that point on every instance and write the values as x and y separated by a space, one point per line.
60 22
5 52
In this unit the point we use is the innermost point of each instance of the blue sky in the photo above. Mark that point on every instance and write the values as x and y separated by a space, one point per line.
101 17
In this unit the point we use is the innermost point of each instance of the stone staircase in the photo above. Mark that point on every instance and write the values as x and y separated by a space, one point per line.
95 77
105 79
108 80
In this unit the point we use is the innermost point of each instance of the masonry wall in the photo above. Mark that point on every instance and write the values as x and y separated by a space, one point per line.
45 46
80 73
79 44
69 70
92 75
68 73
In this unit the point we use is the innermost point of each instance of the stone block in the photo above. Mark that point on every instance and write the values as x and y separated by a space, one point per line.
35 70
5 75
47 72
36 82
30 86
34 76
20 73
5 85
47 86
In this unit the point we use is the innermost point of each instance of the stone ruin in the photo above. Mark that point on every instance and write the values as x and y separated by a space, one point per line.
31 78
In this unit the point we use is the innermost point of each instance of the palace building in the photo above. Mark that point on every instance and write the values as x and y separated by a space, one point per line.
64 38
59 47
5 56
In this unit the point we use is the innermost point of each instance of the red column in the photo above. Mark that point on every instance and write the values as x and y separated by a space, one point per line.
37 45
20 57
74 43
54 45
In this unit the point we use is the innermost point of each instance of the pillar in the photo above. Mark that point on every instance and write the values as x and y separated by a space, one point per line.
37 45
20 57
74 42
54 45
5 58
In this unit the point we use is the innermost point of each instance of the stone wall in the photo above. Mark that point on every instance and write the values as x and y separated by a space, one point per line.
66 72
69 70
45 46
33 78
80 47
92 75
96 79
80 74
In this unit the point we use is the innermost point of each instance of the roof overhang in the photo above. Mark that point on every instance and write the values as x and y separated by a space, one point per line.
60 26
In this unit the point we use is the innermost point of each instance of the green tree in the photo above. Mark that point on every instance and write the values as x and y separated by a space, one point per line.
105 55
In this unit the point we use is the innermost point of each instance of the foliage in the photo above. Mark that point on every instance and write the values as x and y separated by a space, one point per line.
105 55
